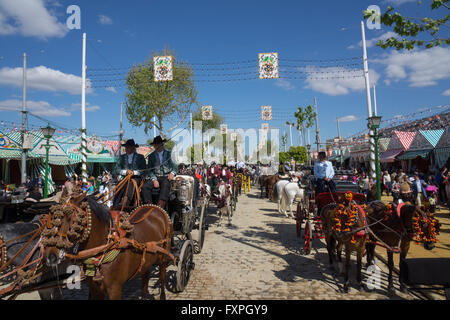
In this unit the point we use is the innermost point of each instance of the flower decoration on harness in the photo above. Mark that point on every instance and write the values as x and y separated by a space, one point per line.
421 223
345 218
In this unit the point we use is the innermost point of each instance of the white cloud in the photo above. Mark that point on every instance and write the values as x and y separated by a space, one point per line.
40 108
336 81
348 118
102 19
284 84
420 68
399 2
372 42
111 89
89 108
446 92
44 79
29 18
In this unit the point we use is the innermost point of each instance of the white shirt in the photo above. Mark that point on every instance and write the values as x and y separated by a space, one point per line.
160 155
130 158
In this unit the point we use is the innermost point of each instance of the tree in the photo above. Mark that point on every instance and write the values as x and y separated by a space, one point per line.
305 118
412 27
214 123
167 145
167 100
298 153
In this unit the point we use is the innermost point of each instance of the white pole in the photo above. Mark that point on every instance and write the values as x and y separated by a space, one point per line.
154 128
83 114
317 126
192 135
24 120
121 130
369 102
375 101
290 133
300 140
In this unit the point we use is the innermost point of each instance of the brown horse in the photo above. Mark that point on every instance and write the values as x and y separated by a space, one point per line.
394 227
262 183
344 224
269 182
113 251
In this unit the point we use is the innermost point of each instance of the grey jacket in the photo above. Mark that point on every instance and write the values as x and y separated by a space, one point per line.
156 168
138 164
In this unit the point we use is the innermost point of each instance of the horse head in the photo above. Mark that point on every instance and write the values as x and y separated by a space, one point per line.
420 225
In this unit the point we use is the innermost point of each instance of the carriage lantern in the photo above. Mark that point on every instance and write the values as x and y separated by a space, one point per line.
183 191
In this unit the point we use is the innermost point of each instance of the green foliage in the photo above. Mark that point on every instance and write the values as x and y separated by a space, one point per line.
298 153
167 100
284 138
413 27
215 123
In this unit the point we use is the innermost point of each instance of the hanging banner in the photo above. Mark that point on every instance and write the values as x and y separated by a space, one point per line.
268 65
266 113
223 129
432 136
207 113
163 68
265 126
233 136
406 138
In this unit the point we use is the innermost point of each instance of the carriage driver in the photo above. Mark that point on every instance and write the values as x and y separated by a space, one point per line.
161 170
324 173
130 163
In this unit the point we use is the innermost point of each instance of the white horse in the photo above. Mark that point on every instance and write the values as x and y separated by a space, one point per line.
223 200
285 193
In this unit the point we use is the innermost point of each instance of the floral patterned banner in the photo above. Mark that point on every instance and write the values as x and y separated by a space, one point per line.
268 65
163 68
233 136
207 113
265 126
266 113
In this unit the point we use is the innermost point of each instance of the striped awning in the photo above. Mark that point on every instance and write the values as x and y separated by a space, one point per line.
409 155
406 138
389 156
441 156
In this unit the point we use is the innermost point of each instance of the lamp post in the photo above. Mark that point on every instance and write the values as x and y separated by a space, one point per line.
308 147
48 134
374 124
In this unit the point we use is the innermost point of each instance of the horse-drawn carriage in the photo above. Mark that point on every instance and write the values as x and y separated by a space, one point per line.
115 245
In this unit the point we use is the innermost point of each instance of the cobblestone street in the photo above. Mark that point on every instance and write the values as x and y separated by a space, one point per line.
257 257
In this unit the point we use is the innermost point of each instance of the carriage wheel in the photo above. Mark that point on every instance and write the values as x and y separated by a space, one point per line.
299 219
308 237
185 265
201 231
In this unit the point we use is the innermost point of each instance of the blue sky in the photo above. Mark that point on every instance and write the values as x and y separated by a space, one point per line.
121 33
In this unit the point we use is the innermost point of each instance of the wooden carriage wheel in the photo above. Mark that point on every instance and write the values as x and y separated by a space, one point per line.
185 265
201 229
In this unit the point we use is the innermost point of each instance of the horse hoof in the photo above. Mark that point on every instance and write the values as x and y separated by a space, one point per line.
403 289
361 288
346 288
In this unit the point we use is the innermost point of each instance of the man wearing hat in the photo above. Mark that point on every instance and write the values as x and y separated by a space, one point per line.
161 170
130 163
324 173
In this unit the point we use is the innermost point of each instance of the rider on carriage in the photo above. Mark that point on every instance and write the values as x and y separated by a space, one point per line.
161 170
130 163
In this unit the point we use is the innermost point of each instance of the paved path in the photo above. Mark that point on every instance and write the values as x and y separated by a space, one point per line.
257 257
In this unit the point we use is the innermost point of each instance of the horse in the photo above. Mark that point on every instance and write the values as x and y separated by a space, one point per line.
284 193
340 223
223 201
394 227
262 183
21 253
112 250
269 183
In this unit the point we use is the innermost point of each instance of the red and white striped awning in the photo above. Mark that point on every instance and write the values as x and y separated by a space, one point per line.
405 137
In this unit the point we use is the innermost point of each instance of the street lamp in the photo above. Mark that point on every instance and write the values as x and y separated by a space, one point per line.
48 134
308 147
373 124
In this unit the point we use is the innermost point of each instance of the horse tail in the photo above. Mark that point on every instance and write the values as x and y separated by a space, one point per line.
274 193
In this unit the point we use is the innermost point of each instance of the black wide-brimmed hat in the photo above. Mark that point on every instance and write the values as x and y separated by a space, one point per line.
158 140
130 143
